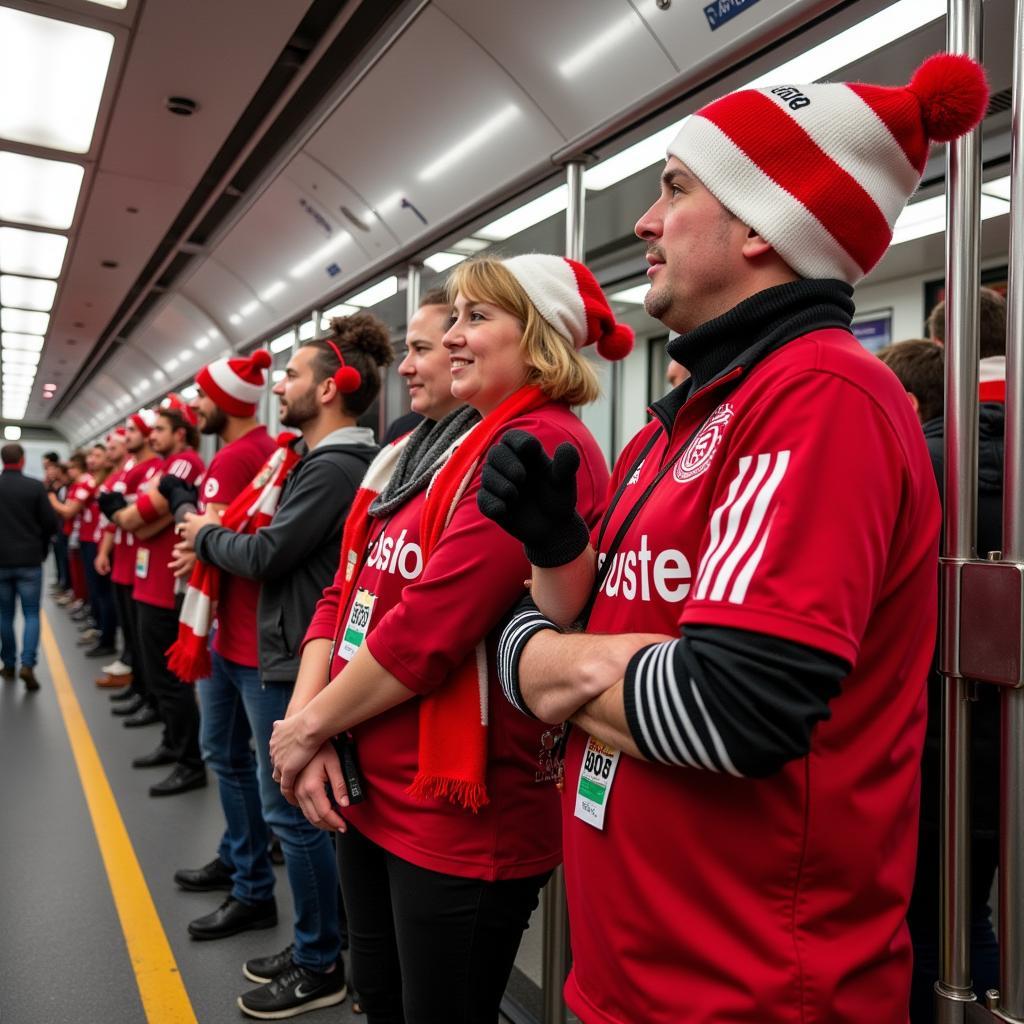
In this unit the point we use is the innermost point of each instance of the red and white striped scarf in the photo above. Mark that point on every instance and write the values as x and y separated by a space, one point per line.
453 719
189 657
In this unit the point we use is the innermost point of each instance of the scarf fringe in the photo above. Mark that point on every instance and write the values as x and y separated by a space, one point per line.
189 661
470 795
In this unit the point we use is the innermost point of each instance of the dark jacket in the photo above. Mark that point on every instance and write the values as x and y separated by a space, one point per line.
985 726
296 556
27 520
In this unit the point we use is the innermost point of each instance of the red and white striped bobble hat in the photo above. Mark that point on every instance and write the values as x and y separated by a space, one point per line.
569 298
144 420
823 171
235 384
117 434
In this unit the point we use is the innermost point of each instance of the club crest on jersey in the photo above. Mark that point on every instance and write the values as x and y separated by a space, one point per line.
698 455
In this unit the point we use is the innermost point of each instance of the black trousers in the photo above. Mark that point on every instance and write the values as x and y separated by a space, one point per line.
429 948
175 700
125 619
101 596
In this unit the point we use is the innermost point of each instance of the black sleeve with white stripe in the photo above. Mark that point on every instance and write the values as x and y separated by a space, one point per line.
729 700
523 624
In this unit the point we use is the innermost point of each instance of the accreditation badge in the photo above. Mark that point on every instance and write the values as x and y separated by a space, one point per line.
358 624
600 762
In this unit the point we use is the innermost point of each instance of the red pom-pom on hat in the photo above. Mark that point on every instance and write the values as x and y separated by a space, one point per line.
953 94
262 359
617 343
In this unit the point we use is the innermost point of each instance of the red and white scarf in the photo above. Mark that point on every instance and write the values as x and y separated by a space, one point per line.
453 719
189 657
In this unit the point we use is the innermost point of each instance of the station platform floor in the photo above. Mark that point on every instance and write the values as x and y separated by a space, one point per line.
92 926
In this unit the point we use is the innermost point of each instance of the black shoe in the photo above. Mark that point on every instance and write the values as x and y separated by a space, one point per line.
181 780
122 695
262 969
212 876
144 716
100 651
128 707
28 675
274 850
295 991
155 759
8 672
234 916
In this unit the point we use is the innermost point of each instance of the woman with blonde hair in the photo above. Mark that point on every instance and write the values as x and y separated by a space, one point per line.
454 827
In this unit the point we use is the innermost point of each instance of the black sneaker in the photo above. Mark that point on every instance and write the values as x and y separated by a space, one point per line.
261 969
295 991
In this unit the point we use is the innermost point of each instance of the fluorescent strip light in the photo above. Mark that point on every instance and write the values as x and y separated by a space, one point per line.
474 140
285 341
928 217
249 307
27 292
117 5
173 363
307 329
24 321
858 41
51 77
185 355
204 339
21 342
271 290
1000 188
43 193
234 319
442 261
631 295
31 252
12 433
343 310
12 357
526 216
471 244
277 376
375 293
598 46
316 259
386 205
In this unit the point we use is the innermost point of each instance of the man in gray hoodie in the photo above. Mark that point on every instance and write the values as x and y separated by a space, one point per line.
295 558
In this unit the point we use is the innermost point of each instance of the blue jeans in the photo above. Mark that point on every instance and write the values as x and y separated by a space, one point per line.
25 584
235 709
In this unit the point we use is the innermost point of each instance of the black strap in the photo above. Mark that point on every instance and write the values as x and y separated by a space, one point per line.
633 512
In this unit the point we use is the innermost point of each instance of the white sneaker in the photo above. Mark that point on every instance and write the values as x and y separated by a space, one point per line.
117 668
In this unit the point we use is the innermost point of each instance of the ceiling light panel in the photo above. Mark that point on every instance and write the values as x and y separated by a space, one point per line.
35 253
27 292
15 357
473 141
51 77
23 342
442 261
375 293
24 321
526 216
117 5
43 193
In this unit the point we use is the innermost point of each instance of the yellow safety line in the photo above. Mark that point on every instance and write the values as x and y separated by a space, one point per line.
163 994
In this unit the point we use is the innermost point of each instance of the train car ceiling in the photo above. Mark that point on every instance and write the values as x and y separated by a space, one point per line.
363 135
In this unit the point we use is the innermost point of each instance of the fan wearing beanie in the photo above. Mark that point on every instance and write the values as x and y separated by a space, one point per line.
775 527
460 810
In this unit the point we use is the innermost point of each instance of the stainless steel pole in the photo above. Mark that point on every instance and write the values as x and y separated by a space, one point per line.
963 199
574 210
556 917
413 276
1011 854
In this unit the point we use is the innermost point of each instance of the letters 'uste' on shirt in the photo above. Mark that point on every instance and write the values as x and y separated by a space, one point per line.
805 509
423 624
84 491
154 582
231 471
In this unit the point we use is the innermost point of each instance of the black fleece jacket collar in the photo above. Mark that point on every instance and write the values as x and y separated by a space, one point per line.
751 330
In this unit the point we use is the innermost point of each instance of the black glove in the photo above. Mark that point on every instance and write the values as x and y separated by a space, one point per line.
533 497
111 502
177 493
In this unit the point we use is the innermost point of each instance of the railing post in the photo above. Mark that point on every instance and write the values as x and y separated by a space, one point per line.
963 198
1011 853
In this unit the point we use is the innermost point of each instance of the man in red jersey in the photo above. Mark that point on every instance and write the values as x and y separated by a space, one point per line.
118 672
741 797
229 391
119 549
174 438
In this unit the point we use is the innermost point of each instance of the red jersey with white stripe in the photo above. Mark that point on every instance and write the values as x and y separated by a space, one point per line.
805 508
154 581
422 625
135 477
84 491
231 471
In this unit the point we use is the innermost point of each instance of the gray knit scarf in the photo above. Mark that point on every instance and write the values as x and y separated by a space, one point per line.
421 458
